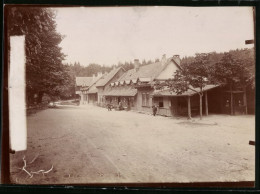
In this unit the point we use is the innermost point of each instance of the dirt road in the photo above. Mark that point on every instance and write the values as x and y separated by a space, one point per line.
89 144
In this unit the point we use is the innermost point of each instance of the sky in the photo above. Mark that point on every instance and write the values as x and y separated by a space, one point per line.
108 35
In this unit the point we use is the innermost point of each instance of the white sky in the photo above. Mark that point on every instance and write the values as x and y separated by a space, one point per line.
107 35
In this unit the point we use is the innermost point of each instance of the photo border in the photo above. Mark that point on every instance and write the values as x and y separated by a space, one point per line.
121 187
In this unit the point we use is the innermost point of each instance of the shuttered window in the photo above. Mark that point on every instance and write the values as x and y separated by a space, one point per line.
145 99
160 102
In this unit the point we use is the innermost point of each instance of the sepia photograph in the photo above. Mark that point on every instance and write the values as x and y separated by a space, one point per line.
129 95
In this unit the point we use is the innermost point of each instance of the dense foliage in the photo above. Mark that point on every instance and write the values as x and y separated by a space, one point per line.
234 69
45 72
194 74
78 70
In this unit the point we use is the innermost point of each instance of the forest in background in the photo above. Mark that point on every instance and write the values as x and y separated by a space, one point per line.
46 72
78 70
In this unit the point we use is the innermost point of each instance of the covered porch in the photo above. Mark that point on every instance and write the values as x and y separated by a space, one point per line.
187 103
234 102
126 95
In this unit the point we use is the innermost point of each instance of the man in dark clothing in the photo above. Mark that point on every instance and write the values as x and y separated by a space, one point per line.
154 110
109 107
120 106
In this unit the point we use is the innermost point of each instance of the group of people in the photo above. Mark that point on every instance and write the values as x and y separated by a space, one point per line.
110 106
120 107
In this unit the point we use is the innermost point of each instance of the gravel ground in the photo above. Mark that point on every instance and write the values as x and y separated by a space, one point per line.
88 144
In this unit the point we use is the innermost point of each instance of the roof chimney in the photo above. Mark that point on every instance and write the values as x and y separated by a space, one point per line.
136 64
177 59
163 61
99 74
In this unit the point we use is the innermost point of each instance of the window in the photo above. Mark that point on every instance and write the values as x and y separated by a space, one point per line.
160 102
145 99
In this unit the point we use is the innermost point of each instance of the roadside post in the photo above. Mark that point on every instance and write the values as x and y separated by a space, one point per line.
14 132
251 41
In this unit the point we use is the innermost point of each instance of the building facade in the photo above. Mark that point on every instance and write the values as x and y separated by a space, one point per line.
83 84
134 90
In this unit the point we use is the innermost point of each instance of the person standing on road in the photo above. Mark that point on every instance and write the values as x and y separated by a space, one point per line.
120 106
154 109
109 107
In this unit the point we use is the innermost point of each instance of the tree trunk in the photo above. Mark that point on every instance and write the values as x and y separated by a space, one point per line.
245 100
200 106
39 99
206 104
231 100
30 98
189 108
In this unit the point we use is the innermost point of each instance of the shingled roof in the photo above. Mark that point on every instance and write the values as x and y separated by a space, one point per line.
120 91
106 78
150 71
83 81
92 89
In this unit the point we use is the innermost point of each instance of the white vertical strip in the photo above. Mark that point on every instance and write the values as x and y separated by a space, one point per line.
17 104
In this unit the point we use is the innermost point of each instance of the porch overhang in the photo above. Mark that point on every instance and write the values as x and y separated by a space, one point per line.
145 85
189 92
92 92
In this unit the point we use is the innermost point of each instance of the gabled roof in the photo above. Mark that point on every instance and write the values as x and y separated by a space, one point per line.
92 89
83 81
146 72
106 78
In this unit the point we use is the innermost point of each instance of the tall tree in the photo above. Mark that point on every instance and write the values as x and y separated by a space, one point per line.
193 76
45 72
236 70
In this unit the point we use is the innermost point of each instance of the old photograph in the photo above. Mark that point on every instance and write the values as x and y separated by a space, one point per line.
134 94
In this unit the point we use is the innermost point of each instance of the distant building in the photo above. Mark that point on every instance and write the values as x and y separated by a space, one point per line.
82 85
103 84
134 90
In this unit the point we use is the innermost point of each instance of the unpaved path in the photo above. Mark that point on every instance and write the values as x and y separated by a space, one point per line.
88 144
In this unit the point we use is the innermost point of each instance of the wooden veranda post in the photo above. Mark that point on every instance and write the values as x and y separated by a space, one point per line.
231 101
206 104
245 100
201 105
189 108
